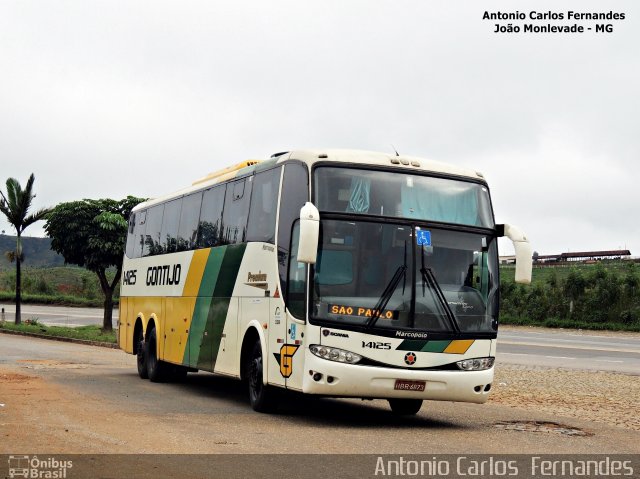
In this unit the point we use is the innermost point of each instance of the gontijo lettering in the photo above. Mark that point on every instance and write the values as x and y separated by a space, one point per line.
165 275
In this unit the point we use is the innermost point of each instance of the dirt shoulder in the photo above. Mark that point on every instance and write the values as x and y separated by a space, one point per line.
600 396
36 411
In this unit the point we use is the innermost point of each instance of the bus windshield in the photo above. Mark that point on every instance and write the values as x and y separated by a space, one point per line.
404 276
417 197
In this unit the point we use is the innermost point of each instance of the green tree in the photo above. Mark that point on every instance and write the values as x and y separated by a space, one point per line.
92 234
574 287
15 206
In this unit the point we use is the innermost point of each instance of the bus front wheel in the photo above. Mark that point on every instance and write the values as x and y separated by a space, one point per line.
261 397
405 407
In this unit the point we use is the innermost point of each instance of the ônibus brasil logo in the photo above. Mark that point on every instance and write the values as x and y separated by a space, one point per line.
33 467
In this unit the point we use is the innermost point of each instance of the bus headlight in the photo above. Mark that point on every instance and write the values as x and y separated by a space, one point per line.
476 364
335 354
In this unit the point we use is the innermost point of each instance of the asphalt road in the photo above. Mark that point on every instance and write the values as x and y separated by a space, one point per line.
59 315
553 348
619 352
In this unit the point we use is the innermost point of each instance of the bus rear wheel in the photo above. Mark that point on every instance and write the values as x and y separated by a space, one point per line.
156 370
141 358
261 397
405 407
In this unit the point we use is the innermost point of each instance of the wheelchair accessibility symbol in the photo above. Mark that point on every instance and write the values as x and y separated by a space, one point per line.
423 237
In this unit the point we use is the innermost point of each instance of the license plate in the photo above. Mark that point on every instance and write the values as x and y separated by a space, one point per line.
408 385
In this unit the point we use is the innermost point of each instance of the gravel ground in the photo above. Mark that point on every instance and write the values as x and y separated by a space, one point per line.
599 396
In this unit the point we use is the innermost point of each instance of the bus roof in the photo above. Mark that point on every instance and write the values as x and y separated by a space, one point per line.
381 159
412 164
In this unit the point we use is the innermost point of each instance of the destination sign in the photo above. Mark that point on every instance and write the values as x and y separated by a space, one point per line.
360 311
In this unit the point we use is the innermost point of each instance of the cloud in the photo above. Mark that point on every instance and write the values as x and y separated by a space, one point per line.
116 98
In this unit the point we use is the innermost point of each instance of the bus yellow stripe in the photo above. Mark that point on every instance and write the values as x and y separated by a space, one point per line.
196 270
459 346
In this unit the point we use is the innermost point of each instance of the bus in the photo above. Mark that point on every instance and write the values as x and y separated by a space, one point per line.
329 272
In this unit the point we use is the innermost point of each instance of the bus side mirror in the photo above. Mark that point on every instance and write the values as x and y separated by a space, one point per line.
309 232
524 262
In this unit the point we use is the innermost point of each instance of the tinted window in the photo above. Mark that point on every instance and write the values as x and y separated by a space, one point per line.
131 236
264 204
402 195
236 211
296 290
210 225
295 193
188 229
138 234
152 231
170 222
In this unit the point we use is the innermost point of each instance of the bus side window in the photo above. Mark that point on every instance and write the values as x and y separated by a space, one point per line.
138 234
131 238
297 279
169 230
188 229
295 193
152 231
236 211
264 204
210 224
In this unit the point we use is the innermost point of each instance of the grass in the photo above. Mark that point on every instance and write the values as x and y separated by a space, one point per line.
86 333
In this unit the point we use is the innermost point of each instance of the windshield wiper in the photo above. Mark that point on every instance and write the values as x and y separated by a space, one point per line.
429 277
401 272
386 295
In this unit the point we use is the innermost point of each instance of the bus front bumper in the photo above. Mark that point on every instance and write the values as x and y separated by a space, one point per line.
331 378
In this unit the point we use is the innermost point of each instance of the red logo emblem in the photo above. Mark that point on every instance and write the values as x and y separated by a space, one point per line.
410 358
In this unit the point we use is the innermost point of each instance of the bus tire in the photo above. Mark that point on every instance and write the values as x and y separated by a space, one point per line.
261 397
405 407
156 369
141 358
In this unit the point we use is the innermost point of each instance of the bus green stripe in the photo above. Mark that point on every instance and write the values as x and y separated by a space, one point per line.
218 308
424 346
212 306
411 345
202 306
230 265
220 302
435 346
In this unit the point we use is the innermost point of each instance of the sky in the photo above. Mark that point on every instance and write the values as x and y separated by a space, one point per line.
104 99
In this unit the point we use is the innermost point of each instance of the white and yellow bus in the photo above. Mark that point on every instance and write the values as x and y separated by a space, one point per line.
336 273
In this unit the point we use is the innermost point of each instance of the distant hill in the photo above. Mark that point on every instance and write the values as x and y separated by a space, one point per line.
37 252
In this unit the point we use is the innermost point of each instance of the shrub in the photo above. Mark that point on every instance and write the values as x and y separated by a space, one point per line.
594 297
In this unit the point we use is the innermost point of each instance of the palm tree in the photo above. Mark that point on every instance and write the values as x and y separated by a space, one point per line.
15 206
